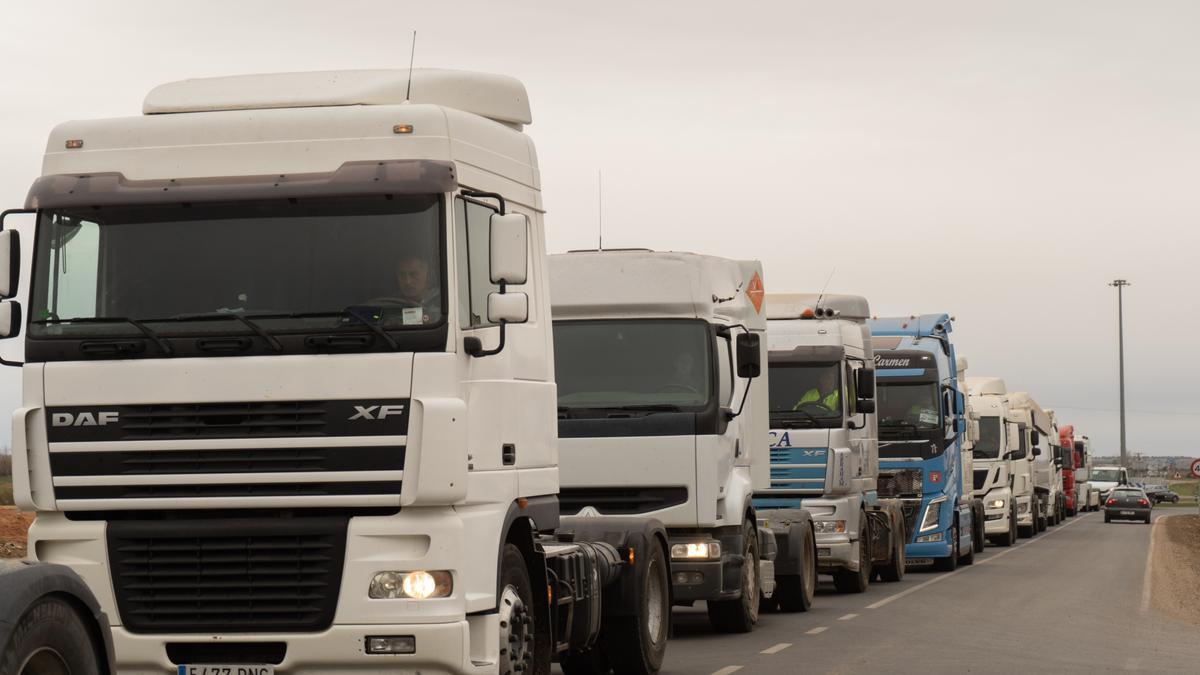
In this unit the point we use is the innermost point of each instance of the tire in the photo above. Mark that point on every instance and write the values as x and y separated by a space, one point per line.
740 614
518 648
795 591
950 562
1010 537
1147 520
849 581
637 644
1107 518
50 638
894 570
969 558
1070 513
979 539
1040 522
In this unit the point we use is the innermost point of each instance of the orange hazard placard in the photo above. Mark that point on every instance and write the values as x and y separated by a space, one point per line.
755 292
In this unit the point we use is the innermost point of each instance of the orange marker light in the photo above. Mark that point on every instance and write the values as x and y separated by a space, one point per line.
807 313
402 129
74 143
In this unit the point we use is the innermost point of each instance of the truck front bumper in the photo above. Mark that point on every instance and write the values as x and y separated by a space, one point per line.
933 549
693 580
440 648
1024 511
996 521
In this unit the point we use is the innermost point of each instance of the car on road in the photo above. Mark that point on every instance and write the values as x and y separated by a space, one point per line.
1127 503
1160 493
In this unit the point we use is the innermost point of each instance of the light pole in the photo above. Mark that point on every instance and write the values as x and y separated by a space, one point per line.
1120 284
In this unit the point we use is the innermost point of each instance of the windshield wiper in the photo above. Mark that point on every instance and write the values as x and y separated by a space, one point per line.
810 416
258 330
145 330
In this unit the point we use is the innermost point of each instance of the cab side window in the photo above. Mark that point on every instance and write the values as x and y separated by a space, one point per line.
851 391
724 372
472 222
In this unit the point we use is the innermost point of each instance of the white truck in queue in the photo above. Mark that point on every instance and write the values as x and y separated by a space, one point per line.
1090 496
1055 467
1037 430
1104 478
288 396
1002 475
824 440
662 411
967 476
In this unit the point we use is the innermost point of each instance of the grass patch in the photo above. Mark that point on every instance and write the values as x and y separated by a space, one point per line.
6 498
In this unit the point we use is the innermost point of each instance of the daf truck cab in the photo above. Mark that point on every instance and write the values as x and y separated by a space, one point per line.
921 427
823 443
1089 495
998 460
662 412
288 389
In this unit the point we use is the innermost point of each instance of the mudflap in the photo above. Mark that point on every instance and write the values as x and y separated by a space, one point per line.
621 597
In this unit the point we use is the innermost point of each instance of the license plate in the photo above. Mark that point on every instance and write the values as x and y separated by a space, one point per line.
217 669
919 561
1127 513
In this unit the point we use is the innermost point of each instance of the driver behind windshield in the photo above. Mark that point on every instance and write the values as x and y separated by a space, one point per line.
826 394
421 301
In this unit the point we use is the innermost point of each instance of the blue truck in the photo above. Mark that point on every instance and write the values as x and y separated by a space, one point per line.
922 426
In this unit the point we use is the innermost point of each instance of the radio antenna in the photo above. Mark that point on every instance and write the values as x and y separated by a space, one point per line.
822 293
600 208
411 55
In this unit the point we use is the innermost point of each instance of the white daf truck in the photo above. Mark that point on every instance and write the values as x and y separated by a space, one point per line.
288 391
1089 495
970 438
662 411
825 440
1002 477
1037 431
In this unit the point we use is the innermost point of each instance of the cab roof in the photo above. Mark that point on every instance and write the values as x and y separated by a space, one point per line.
984 386
924 325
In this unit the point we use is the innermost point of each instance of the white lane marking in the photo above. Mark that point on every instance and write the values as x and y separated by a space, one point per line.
847 617
947 575
1149 562
818 629
727 670
776 648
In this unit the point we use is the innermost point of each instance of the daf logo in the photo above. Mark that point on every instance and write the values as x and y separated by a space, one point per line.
376 412
83 419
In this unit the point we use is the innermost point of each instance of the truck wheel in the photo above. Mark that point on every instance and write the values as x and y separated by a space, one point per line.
849 581
894 570
637 644
515 607
950 562
1039 520
969 558
740 614
1010 537
795 591
978 538
51 638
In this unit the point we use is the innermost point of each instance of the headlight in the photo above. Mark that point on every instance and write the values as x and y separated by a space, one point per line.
700 550
419 585
933 514
1022 508
930 538
996 504
829 526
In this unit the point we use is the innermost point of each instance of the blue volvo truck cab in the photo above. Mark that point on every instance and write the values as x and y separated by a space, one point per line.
922 425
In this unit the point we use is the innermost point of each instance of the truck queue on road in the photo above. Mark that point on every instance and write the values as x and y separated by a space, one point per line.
311 396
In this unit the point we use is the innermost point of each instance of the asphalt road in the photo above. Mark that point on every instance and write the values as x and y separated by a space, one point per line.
1071 600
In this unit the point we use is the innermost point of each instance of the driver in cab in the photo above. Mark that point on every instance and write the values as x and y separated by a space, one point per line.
826 394
420 301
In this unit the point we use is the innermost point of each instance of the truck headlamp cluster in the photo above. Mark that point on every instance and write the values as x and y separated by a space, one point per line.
996 504
391 644
1022 508
419 585
700 550
930 538
829 526
933 514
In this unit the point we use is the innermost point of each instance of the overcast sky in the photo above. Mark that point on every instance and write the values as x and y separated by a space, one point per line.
1001 161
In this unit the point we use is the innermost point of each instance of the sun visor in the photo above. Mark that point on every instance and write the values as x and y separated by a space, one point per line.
407 176
808 354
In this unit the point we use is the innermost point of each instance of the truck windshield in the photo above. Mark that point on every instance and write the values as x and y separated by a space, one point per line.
1110 475
908 405
988 445
805 395
294 265
639 364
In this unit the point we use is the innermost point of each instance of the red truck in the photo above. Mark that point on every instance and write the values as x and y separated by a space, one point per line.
1070 460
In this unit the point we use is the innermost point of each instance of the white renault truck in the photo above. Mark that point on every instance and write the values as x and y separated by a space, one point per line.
1001 477
824 440
1038 432
662 411
1089 495
288 390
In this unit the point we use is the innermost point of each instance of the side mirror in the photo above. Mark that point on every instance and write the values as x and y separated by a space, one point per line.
508 307
10 319
865 383
1034 438
865 405
749 355
10 263
509 238
959 403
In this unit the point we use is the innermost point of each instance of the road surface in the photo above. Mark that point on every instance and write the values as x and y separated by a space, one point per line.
1071 600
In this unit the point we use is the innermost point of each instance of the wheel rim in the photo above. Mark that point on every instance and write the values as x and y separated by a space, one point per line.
750 580
516 638
45 661
656 597
810 571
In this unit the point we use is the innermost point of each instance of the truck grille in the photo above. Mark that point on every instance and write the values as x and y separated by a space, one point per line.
981 476
619 500
248 576
798 471
900 483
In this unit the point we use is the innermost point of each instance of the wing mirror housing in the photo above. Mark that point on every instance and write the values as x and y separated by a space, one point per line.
749 355
10 319
865 405
509 257
508 307
10 263
865 383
